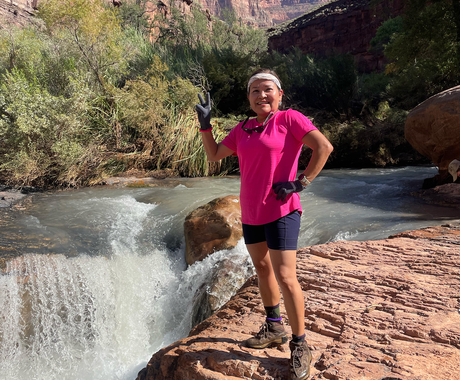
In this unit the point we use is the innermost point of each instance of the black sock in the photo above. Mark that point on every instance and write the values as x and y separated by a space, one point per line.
273 313
298 338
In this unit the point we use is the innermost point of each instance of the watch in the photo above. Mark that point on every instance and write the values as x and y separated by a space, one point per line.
303 180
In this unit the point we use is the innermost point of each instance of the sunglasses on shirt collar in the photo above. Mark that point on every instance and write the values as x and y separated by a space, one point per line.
258 129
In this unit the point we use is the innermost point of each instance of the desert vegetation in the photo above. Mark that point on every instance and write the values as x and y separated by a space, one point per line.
89 91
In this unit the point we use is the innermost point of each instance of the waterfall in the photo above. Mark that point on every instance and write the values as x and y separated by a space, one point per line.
99 317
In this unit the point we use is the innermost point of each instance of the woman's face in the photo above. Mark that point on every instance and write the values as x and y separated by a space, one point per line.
264 97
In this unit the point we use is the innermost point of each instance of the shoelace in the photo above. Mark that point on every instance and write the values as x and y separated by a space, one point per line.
263 331
296 356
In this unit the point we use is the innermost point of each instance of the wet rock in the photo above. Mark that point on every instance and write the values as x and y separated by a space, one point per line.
9 197
443 195
432 129
228 277
386 309
212 227
14 195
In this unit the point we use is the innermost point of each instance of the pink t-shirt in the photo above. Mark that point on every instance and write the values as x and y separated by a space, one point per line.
266 158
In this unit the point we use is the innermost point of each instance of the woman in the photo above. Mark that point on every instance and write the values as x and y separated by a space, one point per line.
268 149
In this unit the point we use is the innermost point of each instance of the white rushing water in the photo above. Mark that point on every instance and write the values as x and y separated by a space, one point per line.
95 317
107 285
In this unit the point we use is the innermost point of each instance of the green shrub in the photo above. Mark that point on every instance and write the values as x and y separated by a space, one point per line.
327 84
161 114
228 72
376 141
372 88
142 102
386 32
424 55
132 15
42 134
141 57
219 61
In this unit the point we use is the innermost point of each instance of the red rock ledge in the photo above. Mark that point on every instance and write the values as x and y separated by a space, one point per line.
385 310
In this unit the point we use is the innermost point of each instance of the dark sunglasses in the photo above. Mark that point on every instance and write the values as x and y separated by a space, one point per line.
258 129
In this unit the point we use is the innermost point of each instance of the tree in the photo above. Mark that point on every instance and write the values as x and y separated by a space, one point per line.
135 14
424 55
94 30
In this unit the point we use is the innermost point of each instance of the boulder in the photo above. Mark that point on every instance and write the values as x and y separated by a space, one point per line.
212 227
228 277
433 129
10 197
386 309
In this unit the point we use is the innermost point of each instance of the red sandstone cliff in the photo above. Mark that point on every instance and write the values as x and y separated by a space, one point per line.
344 26
18 12
258 13
262 13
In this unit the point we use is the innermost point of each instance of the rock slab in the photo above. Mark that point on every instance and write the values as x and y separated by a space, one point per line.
443 195
376 310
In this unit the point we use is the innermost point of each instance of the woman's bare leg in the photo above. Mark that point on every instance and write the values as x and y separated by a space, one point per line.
284 265
268 286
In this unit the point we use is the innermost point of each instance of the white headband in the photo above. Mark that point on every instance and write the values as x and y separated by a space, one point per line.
266 76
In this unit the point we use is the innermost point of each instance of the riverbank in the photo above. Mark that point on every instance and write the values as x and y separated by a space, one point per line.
14 195
444 195
385 309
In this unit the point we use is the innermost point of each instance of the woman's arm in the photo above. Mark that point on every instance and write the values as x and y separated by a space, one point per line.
214 151
322 148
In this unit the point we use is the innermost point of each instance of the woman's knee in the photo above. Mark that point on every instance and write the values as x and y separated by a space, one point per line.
263 269
261 259
287 280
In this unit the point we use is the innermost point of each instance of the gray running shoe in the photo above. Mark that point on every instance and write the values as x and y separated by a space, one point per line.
269 334
300 360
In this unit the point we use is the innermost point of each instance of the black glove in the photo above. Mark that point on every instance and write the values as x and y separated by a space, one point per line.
204 112
282 189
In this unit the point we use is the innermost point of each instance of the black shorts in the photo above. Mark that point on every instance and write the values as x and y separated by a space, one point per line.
282 234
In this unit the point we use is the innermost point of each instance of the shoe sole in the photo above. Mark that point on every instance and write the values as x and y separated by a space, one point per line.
307 375
275 342
303 378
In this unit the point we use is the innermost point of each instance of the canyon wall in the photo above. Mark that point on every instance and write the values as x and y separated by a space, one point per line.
341 27
18 12
257 13
262 13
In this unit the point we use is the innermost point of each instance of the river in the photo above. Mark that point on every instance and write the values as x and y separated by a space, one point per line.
101 282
